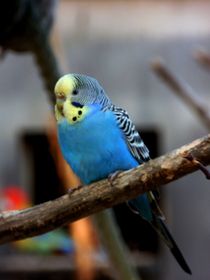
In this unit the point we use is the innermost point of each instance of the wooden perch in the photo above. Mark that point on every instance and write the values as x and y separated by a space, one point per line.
84 201
183 90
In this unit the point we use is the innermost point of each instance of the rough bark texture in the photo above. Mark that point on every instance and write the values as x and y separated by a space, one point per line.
87 200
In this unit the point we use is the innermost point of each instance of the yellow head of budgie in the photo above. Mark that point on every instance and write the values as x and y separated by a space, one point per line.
65 86
65 89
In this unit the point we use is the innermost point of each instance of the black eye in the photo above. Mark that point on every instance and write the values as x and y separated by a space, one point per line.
75 92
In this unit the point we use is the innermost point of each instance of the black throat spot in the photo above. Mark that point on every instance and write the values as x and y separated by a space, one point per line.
77 105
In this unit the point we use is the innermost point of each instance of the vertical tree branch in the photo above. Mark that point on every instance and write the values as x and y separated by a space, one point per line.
50 73
117 250
47 64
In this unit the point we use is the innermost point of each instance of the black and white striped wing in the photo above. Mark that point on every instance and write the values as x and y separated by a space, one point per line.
138 149
135 144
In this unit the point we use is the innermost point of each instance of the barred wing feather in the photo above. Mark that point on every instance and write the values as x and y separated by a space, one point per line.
138 149
135 144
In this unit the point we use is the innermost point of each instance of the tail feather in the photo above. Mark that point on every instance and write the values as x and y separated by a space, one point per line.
164 233
146 206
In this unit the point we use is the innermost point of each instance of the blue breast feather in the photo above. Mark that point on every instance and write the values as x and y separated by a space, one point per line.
96 148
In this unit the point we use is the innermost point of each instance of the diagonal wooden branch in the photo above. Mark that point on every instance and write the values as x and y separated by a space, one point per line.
84 201
183 90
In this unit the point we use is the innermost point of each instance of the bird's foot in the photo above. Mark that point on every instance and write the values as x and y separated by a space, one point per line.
113 176
200 165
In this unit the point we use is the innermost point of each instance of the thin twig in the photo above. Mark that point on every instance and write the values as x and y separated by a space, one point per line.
183 90
100 195
200 165
203 57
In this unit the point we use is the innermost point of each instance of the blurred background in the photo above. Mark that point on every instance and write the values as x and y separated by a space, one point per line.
114 41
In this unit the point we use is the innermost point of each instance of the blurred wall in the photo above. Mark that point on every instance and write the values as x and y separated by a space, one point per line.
115 41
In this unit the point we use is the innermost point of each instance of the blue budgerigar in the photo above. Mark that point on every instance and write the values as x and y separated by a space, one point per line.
98 138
